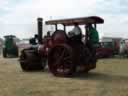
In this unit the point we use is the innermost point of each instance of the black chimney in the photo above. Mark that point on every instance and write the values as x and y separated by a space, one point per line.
40 26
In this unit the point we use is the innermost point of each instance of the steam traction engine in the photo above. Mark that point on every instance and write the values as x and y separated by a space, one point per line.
65 55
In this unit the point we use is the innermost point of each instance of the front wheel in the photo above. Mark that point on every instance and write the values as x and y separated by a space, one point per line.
30 60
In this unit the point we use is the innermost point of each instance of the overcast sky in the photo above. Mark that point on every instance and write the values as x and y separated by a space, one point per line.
18 17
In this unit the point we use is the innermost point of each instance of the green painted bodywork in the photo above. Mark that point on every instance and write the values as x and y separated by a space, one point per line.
10 45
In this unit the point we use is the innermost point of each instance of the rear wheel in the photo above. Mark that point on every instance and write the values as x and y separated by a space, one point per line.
60 60
30 60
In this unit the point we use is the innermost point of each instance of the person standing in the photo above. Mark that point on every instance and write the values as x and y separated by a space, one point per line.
93 36
92 43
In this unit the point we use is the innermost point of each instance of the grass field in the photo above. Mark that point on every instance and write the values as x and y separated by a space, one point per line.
110 78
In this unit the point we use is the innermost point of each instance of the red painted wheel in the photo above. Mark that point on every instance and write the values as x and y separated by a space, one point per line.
60 60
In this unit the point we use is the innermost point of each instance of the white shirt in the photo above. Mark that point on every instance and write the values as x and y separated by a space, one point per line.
75 31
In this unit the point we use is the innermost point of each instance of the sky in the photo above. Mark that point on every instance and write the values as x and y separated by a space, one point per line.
19 17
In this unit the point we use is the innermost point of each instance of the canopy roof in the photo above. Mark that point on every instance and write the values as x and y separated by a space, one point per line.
79 21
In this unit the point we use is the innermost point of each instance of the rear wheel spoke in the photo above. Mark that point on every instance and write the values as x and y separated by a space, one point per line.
61 65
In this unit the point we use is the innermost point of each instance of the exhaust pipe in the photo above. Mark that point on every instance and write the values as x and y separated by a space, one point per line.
40 27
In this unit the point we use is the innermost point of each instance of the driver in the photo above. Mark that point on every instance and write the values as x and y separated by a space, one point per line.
75 33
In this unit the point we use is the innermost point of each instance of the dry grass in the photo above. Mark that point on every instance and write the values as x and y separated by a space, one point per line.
109 79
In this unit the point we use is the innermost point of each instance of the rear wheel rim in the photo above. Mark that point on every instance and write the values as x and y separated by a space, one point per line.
60 61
